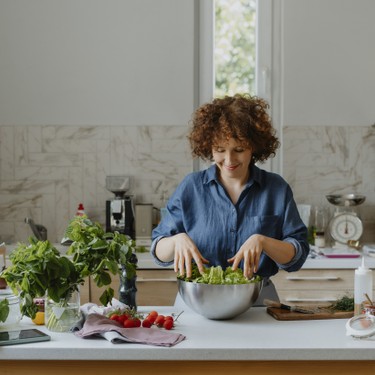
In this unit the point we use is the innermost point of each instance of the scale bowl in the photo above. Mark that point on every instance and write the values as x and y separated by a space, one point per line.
345 199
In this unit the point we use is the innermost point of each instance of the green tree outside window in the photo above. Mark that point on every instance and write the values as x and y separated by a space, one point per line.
235 48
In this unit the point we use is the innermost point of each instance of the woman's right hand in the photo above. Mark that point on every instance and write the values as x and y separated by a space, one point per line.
185 251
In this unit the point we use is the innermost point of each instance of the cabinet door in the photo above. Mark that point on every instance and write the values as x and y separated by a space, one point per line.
84 291
319 287
154 288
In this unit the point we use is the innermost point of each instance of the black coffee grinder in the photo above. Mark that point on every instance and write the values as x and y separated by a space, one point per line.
120 210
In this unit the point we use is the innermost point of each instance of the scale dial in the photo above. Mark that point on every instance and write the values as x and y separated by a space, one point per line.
346 226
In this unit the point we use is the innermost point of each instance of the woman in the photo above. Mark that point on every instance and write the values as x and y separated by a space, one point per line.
232 213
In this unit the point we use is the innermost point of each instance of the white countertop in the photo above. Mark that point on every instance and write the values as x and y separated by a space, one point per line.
252 336
337 263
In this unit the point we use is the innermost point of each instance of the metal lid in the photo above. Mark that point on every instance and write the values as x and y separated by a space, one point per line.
361 326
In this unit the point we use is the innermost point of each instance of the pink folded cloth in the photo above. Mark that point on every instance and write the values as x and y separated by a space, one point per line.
97 324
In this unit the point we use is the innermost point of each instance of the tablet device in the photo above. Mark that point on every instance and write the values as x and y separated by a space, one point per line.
22 336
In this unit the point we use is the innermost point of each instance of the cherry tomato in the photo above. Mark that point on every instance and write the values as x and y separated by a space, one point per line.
146 323
121 319
137 322
153 313
168 324
151 318
160 320
129 323
114 317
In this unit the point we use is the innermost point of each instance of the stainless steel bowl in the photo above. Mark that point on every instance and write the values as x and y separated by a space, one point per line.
346 199
219 301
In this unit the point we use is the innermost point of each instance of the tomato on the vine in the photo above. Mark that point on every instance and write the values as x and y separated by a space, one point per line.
131 319
121 319
114 317
137 322
129 323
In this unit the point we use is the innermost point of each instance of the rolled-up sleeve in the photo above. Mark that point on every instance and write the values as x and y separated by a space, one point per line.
302 251
153 253
295 233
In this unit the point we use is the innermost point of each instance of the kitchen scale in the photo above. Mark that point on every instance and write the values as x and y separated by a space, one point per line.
345 225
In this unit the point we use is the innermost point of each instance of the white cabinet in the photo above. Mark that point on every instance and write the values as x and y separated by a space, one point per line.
155 287
328 62
314 286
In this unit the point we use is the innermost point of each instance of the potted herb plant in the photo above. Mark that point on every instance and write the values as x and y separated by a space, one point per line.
38 269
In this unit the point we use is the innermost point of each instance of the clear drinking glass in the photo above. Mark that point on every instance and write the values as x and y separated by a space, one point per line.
63 315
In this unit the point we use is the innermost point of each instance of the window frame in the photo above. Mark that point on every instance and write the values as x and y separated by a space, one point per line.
268 63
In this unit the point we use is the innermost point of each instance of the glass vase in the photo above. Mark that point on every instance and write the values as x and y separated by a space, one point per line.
63 315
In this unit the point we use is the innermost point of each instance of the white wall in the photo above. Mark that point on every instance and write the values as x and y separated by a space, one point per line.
328 62
96 62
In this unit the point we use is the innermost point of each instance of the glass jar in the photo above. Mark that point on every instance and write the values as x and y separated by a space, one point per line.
14 315
63 315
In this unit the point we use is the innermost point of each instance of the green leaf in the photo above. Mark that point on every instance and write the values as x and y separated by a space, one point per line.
112 266
102 279
98 244
106 296
130 270
4 310
25 284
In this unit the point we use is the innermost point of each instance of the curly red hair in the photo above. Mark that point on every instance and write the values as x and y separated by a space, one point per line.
242 117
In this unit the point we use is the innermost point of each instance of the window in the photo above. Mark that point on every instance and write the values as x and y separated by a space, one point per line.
262 30
234 47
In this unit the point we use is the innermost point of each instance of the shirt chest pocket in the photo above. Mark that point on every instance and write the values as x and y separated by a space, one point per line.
268 225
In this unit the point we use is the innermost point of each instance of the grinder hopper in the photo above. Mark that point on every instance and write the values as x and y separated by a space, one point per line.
118 185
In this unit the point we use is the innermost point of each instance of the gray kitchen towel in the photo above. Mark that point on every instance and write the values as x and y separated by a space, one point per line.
100 325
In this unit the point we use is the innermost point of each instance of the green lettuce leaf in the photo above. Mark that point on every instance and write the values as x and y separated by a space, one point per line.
216 275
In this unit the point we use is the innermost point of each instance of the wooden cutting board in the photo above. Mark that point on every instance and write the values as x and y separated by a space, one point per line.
281 314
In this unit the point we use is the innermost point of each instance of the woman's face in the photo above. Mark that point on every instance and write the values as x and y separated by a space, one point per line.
232 158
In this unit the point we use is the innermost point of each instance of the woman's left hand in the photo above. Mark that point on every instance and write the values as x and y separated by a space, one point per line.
250 252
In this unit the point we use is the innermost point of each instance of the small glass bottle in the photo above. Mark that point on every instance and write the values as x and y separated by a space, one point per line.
80 210
320 227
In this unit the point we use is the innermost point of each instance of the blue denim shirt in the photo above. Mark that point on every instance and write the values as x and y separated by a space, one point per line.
201 208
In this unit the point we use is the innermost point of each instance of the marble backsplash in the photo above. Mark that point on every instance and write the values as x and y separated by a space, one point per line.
46 171
321 160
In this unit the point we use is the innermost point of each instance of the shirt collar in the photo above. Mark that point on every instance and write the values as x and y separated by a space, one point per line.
255 175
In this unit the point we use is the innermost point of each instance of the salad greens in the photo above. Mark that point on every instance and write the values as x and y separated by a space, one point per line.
216 275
